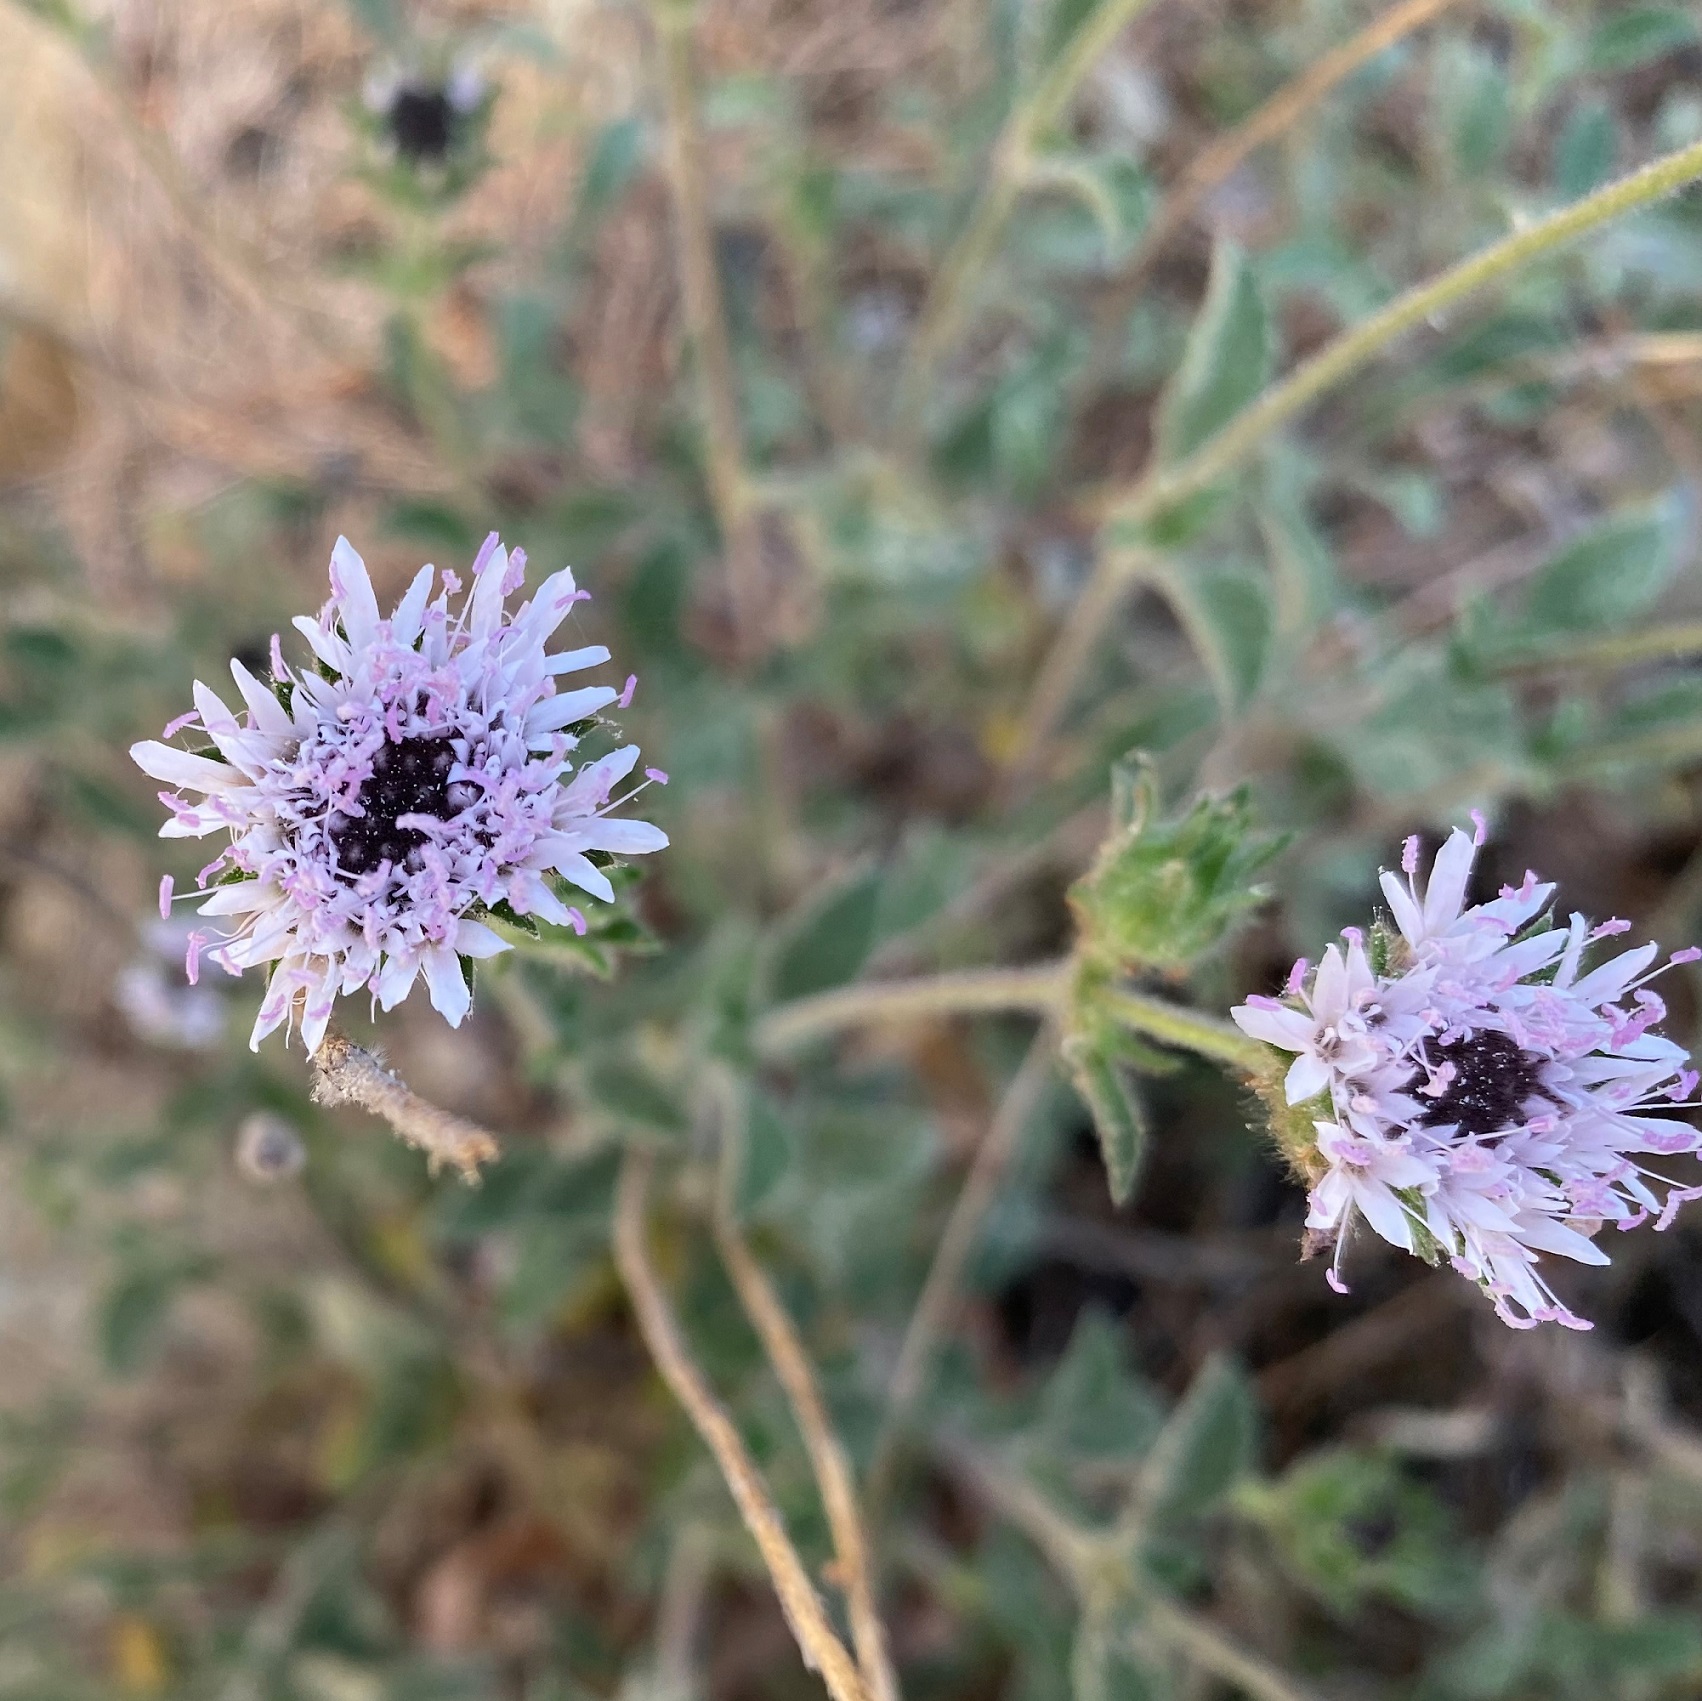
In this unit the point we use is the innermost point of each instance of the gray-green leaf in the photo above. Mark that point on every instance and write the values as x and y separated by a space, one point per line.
1226 362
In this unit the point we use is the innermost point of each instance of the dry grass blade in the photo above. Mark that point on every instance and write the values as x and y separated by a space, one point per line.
828 1461
822 1650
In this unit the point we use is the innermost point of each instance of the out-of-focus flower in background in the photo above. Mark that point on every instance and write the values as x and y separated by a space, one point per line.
154 994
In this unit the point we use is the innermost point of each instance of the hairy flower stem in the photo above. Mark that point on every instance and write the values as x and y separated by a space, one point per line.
822 1650
951 293
969 992
1188 1030
1044 989
346 1073
706 324
1163 487
791 1365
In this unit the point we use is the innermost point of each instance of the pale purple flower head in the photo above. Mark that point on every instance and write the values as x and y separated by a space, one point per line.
1476 1092
413 780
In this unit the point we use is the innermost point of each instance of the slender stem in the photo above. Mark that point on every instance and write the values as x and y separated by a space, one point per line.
1065 662
832 1469
706 321
1212 168
962 993
950 295
1076 1554
963 1228
1189 1030
1340 359
679 1617
1201 1642
1614 649
348 1074
1163 487
1100 1573
822 1650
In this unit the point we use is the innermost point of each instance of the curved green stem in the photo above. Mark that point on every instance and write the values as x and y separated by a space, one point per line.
965 993
1613 650
1164 487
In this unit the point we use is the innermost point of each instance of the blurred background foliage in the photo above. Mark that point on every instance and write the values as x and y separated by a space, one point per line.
282 1416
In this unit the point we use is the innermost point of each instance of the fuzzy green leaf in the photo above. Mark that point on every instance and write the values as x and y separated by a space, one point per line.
1227 360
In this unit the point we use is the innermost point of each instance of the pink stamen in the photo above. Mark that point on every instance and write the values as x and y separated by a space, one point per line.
165 898
624 701
1409 856
492 543
1480 828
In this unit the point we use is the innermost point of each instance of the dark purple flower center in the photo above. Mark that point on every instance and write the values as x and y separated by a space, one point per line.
410 778
422 122
1493 1080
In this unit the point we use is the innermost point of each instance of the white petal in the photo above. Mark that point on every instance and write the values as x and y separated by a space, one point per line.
567 707
1329 990
329 648
1547 1236
571 661
1291 1030
1383 1211
1308 1076
408 621
627 838
546 611
1405 911
450 996
1603 985
474 939
1446 891
241 897
352 588
264 709
590 787
486 604
585 875
180 768
396 979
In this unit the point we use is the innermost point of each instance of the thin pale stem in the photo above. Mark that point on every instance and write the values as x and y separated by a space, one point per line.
964 993
706 322
1212 168
828 1461
1614 649
349 1074
944 1280
951 294
1188 1030
1101 1574
1076 1554
691 1563
822 1650
1067 660
1163 487
1202 1644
